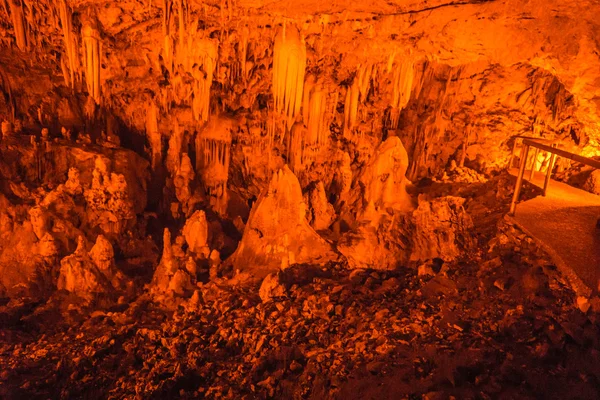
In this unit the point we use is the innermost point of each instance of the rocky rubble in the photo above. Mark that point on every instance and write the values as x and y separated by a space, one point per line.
467 330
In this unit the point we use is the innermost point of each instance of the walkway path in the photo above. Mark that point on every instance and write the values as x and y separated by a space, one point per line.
564 223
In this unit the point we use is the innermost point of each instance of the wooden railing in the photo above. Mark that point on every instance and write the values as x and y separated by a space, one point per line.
536 143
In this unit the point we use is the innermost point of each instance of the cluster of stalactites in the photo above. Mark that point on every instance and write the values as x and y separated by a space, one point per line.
402 85
193 54
19 23
71 67
289 64
92 50
213 155
307 138
317 110
357 94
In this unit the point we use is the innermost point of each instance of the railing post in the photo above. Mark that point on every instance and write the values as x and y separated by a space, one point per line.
515 199
549 173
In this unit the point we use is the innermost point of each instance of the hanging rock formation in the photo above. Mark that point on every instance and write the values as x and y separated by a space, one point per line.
213 155
289 65
277 233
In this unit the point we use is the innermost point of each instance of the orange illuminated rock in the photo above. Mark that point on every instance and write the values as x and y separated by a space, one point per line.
277 233
172 275
195 232
384 178
80 275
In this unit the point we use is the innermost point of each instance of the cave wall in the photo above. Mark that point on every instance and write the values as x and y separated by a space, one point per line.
454 81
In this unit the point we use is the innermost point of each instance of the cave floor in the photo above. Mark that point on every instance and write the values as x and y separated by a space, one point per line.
564 222
501 322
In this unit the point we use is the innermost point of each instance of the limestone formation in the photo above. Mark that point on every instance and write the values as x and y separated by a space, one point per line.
81 276
185 175
170 277
321 212
195 232
277 233
592 184
442 229
385 177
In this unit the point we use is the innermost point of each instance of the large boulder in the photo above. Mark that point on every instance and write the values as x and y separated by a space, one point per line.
592 184
438 228
277 233
442 229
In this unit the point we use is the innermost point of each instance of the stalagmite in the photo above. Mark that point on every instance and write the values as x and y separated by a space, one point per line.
277 234
384 178
174 150
92 52
195 232
289 64
19 23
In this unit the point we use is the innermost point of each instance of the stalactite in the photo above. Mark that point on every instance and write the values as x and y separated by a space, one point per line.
19 23
402 87
243 52
92 58
168 50
297 147
364 80
194 55
351 107
153 134
66 18
213 155
289 64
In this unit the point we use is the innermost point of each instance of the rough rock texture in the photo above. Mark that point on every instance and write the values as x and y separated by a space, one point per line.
443 229
80 274
170 277
277 233
592 184
195 232
271 288
384 178
437 228
320 212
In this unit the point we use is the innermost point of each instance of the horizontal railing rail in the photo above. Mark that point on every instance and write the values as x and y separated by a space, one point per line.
536 143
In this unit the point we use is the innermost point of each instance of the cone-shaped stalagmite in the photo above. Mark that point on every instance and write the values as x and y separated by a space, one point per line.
278 234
